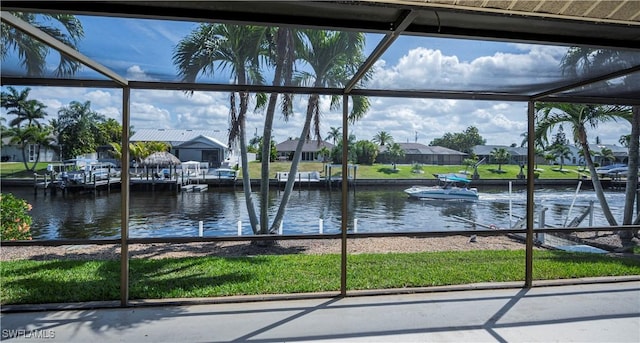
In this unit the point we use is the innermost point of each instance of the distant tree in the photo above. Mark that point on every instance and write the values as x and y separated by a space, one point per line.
366 152
625 140
78 128
324 153
500 156
383 138
273 152
463 142
335 134
254 144
336 152
109 131
561 152
607 155
468 162
395 153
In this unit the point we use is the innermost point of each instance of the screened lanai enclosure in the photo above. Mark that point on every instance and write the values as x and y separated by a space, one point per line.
300 69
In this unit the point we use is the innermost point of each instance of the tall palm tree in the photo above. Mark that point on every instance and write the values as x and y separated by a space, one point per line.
24 109
236 48
335 134
585 60
281 54
580 117
33 53
383 138
333 58
43 138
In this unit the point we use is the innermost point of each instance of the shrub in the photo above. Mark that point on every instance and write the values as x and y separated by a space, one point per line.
15 221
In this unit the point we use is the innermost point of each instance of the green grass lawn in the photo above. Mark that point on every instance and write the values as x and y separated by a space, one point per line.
28 281
376 171
386 171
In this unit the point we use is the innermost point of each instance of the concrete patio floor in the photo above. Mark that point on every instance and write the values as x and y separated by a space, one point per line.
598 312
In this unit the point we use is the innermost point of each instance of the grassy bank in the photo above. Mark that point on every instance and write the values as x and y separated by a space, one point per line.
28 281
386 171
376 171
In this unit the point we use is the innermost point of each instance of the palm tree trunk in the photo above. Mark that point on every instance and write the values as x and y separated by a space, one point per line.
284 59
595 180
246 179
632 173
266 154
311 106
24 157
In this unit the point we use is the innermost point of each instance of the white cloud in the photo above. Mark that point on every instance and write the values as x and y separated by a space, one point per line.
420 68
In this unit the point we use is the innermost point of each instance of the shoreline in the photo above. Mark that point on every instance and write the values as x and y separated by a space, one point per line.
381 245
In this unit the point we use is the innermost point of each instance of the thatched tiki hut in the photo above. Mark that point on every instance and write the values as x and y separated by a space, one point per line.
161 160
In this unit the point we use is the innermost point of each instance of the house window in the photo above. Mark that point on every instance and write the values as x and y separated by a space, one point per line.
32 152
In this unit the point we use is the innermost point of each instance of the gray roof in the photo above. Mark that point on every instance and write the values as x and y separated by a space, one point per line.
485 150
175 136
309 145
421 149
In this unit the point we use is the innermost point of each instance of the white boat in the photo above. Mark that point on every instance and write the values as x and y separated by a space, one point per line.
450 187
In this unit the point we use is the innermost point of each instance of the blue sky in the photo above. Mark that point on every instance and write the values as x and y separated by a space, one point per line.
142 50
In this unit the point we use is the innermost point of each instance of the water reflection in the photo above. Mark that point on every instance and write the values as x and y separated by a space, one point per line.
163 214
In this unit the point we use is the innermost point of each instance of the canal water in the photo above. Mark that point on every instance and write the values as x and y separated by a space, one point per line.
167 214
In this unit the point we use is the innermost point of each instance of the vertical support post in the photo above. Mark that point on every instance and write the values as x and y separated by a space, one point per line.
528 279
510 206
200 229
345 194
124 207
280 230
355 225
239 228
320 226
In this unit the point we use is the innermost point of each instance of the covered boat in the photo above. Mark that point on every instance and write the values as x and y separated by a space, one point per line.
450 187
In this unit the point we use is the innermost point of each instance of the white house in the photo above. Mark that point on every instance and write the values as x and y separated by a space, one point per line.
193 145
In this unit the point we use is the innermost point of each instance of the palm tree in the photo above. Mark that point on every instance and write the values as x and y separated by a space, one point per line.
606 154
560 151
585 60
501 156
395 152
282 55
335 134
580 116
383 138
32 52
333 58
25 136
25 109
42 137
237 48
